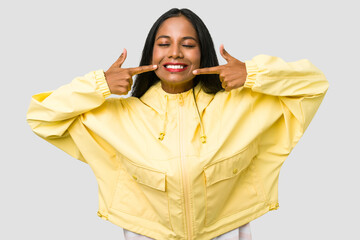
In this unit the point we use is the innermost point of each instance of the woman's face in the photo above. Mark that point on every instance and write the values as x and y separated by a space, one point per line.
177 54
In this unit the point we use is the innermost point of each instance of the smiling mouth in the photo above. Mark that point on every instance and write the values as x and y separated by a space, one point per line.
177 67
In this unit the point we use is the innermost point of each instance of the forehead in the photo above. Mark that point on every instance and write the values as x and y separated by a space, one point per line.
177 27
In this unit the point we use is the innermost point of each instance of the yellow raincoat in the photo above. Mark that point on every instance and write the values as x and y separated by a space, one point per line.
190 165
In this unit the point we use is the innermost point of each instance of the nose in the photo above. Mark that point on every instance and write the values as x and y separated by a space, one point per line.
175 52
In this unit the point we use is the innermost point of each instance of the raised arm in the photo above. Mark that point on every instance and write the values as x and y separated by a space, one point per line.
299 86
295 91
51 114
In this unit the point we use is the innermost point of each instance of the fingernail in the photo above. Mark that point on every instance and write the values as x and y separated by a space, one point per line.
194 72
154 66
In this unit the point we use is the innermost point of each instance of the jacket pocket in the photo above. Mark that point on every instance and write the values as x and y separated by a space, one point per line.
230 185
141 192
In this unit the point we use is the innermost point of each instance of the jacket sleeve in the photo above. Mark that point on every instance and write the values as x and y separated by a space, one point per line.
296 89
51 114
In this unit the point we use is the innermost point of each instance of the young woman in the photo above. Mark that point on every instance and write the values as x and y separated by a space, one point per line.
195 153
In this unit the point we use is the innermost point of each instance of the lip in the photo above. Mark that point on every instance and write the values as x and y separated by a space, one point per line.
175 70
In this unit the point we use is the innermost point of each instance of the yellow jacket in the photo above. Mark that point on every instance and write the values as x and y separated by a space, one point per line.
190 165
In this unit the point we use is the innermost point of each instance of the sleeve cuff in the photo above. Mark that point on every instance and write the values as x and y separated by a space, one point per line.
101 84
252 70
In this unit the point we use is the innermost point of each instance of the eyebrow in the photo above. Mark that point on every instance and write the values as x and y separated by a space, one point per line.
184 38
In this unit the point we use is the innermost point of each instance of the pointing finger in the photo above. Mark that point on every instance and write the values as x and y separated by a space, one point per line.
225 54
142 69
119 62
123 57
210 70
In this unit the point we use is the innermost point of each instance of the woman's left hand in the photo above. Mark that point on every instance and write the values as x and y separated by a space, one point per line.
232 75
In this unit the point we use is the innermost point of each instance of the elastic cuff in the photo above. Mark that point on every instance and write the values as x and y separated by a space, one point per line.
252 70
101 83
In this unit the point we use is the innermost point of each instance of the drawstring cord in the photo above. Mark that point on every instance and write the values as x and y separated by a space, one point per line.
162 133
203 136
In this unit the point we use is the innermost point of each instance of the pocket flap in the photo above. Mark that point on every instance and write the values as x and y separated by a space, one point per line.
229 167
146 176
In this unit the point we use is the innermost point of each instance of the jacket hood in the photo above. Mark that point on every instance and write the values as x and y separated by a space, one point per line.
159 100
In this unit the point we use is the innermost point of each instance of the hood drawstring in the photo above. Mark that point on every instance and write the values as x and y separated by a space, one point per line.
162 133
203 136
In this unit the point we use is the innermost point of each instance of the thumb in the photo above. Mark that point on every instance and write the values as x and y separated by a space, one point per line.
225 54
119 62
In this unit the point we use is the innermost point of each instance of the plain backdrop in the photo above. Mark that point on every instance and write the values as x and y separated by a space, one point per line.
46 194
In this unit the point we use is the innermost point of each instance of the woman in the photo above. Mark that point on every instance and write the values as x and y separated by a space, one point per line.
196 152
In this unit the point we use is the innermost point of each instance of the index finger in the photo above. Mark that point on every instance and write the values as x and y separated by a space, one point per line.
141 69
210 70
118 63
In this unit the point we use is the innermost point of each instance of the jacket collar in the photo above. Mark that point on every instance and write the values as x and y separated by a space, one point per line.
155 97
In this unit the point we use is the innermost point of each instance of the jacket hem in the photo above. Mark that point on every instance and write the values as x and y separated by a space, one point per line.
143 226
225 225
147 227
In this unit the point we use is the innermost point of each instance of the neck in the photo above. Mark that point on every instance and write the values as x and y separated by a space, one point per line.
176 88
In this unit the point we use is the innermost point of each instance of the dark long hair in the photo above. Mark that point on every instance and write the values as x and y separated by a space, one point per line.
210 83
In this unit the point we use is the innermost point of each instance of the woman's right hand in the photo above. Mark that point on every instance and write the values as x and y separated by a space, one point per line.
120 79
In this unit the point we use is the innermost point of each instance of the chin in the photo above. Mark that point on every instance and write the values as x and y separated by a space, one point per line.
174 78
176 81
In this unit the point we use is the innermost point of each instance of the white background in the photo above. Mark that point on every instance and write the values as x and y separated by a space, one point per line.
45 194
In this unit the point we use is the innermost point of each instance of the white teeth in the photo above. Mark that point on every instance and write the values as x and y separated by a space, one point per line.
175 66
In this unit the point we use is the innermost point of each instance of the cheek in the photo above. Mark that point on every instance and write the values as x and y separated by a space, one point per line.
153 59
156 56
196 58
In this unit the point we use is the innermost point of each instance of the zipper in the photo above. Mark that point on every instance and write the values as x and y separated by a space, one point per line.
184 172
